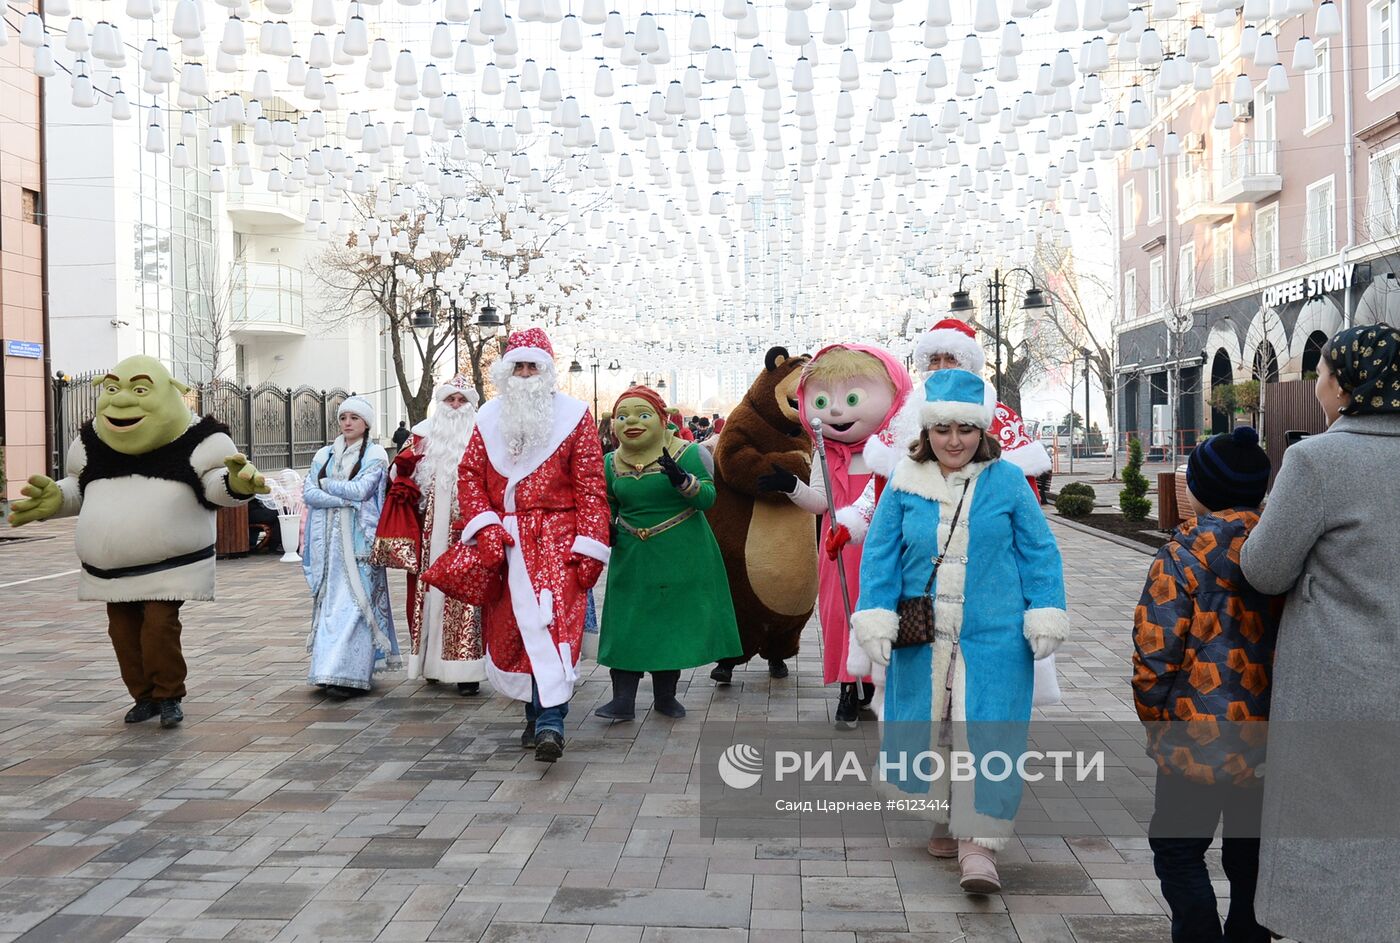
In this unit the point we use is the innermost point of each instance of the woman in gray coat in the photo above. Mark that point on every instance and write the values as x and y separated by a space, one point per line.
1330 538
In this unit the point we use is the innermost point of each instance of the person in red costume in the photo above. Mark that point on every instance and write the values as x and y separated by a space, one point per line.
949 343
535 501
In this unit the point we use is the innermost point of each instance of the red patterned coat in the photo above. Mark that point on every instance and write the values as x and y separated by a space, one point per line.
554 503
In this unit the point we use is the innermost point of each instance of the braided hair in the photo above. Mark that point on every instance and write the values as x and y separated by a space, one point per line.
359 460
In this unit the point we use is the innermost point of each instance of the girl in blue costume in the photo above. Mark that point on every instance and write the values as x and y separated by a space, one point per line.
999 605
352 625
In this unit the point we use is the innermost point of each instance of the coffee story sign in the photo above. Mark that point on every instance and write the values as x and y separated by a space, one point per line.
1309 286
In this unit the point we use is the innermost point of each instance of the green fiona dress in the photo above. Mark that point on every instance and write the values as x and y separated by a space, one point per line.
668 604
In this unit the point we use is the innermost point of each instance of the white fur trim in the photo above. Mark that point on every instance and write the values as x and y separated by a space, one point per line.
1046 623
858 663
1032 459
974 414
589 547
360 407
850 518
969 354
881 458
870 625
479 523
568 413
527 355
925 480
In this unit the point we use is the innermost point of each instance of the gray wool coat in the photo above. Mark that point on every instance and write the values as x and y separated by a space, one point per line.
1330 538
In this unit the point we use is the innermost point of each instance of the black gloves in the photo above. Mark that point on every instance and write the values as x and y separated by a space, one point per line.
676 475
783 482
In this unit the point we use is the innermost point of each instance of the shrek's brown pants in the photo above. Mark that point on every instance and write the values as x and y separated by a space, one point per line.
146 637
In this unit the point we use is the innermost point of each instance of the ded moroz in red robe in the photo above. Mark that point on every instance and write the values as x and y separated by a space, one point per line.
554 503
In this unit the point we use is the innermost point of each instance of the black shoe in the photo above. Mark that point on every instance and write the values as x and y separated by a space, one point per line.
144 710
623 705
847 712
722 674
338 692
527 738
777 668
663 686
170 713
549 746
468 688
867 694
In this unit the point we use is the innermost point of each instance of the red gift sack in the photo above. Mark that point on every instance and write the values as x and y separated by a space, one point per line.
400 532
460 573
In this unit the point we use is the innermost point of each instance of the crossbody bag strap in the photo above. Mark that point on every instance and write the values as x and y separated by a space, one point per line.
938 560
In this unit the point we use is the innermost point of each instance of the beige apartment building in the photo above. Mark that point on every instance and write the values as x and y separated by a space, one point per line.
24 388
1252 221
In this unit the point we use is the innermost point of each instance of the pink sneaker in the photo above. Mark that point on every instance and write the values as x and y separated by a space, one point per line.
941 844
979 869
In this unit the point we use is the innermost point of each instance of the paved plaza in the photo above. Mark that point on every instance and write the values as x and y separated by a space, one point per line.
412 814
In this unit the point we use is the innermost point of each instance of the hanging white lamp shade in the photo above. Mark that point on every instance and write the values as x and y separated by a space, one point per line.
614 31
1304 55
1329 21
570 35
939 13
1066 16
1277 82
1266 51
594 12
971 62
797 33
834 30
1255 11
492 17
1149 48
1011 44
1163 10
233 42
1062 72
1224 117
986 18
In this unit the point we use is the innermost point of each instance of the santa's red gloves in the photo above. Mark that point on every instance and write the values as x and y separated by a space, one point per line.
836 539
492 541
589 570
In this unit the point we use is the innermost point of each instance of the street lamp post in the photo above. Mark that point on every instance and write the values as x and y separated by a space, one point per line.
576 368
996 298
1085 352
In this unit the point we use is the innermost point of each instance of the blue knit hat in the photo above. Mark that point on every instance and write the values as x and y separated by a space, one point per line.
956 396
1229 470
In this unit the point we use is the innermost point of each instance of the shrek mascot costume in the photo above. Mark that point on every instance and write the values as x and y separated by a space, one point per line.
668 605
145 478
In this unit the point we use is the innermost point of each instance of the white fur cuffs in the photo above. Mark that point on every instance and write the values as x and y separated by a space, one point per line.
479 523
851 519
871 625
1046 623
589 547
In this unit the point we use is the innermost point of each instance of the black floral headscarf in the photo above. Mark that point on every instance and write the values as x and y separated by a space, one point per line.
1366 361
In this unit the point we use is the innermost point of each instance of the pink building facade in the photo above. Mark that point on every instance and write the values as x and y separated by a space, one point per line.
24 388
1241 249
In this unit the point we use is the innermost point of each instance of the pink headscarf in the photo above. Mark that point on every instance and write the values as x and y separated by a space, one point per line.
840 454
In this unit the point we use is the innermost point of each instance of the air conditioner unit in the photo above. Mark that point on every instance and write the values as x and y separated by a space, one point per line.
1245 112
1196 142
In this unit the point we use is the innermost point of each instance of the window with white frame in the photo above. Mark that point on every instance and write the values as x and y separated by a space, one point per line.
1317 85
1321 223
1130 206
1130 295
1383 197
1154 195
1186 272
1266 240
1223 250
1384 40
1157 284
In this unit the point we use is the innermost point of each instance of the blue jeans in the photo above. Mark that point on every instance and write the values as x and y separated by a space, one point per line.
545 718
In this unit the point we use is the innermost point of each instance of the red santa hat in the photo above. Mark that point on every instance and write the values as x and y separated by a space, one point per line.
951 336
458 384
528 346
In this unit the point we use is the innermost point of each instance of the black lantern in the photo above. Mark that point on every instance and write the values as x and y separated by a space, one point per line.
1035 300
422 321
486 320
962 302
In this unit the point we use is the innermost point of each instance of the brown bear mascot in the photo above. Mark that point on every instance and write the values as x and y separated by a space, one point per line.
768 543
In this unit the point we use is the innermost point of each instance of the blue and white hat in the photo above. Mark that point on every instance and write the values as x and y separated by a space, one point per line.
956 396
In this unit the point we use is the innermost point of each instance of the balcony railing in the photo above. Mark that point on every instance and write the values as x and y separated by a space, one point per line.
267 298
254 209
1249 172
1197 199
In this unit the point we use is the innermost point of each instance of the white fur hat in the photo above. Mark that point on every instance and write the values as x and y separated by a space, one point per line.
951 336
458 384
360 407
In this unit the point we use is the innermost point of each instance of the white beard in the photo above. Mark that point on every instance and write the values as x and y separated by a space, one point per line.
527 408
448 434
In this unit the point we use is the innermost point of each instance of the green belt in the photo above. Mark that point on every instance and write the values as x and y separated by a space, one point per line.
646 533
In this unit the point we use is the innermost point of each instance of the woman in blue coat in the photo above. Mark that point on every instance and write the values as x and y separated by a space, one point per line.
998 602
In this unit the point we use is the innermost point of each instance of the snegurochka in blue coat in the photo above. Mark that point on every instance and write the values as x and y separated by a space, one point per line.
999 603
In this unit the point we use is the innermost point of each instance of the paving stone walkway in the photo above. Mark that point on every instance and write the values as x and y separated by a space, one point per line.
412 814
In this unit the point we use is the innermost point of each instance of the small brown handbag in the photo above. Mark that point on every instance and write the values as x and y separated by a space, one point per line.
916 613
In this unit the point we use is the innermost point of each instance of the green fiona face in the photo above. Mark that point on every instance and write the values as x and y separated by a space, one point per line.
638 426
140 407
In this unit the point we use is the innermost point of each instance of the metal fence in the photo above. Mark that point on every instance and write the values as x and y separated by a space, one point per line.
275 427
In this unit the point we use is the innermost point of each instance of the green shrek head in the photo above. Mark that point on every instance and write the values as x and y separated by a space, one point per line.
140 407
639 423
